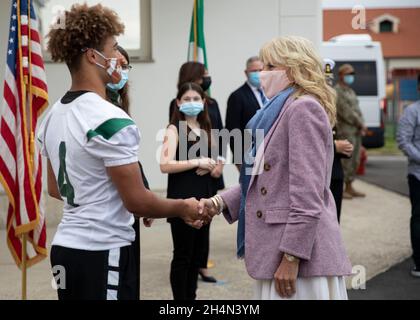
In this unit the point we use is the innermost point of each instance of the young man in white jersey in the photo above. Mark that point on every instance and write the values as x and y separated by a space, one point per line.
92 147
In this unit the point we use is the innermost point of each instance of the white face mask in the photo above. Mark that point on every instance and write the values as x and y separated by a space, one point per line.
274 82
114 70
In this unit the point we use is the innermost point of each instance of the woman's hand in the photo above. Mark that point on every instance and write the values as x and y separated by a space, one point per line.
217 171
285 278
206 164
202 172
193 215
344 147
148 222
207 205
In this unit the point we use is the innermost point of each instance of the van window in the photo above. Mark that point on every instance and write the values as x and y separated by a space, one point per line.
366 77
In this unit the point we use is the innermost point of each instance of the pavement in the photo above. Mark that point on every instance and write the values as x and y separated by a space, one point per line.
390 173
375 240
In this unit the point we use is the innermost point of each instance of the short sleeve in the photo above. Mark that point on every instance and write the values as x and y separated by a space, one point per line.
115 142
40 138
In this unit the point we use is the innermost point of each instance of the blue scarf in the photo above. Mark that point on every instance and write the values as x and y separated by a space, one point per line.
262 120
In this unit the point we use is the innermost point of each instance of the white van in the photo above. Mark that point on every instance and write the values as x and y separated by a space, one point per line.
366 57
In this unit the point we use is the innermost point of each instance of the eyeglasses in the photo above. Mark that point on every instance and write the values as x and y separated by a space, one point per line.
270 67
126 67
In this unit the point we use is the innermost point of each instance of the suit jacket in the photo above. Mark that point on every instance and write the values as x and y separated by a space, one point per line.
289 206
241 107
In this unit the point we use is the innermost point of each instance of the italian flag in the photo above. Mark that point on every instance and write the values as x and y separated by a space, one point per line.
197 46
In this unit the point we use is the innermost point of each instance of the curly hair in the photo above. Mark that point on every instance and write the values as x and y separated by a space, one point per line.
85 27
304 64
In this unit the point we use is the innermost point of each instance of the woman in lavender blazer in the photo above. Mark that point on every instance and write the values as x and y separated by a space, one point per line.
288 231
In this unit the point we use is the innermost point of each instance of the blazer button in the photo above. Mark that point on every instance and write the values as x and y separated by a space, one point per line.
267 167
259 214
263 191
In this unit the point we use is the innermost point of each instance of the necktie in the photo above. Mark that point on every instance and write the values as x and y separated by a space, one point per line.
264 99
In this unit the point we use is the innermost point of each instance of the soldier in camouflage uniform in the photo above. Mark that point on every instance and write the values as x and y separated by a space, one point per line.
350 126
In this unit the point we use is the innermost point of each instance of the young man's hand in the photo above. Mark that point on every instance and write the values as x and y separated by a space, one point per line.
192 216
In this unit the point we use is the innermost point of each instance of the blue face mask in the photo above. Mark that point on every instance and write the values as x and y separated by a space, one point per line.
118 86
191 109
254 79
349 79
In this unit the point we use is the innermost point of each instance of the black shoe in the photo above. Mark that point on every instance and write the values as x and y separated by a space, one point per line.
415 272
207 278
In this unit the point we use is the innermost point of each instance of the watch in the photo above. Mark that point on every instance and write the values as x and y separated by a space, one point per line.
290 258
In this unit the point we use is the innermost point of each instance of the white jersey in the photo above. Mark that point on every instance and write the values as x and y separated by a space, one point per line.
83 135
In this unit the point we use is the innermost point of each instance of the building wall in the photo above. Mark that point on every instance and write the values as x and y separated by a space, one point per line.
402 64
404 43
234 29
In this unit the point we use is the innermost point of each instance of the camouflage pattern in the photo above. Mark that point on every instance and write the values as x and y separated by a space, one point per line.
349 123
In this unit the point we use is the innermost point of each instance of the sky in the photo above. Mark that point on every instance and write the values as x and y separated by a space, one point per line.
344 4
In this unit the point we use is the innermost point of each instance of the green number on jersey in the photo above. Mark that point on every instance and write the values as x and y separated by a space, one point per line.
66 189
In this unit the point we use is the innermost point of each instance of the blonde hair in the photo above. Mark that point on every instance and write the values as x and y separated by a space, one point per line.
304 67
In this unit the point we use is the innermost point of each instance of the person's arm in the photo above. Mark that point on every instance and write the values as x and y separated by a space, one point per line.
308 133
343 149
218 170
118 147
231 202
168 164
52 183
406 132
221 158
346 113
142 202
171 109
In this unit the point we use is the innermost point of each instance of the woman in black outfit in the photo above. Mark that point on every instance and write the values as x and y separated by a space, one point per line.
186 158
196 72
342 149
120 98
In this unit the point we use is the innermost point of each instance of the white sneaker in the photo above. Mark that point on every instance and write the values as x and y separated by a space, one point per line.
415 272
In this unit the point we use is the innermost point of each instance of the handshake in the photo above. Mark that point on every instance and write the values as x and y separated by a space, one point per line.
199 213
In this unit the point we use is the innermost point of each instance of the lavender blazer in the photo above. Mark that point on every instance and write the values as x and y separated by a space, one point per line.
289 206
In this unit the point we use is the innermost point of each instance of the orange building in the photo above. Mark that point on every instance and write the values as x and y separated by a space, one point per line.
398 30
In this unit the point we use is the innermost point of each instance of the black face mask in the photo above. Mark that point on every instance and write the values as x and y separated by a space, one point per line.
206 83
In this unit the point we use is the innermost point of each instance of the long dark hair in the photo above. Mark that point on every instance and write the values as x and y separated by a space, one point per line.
203 118
120 98
125 99
190 72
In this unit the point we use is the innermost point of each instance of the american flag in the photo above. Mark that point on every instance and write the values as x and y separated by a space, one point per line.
25 98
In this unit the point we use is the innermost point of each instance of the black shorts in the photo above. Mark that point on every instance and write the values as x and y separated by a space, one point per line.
95 275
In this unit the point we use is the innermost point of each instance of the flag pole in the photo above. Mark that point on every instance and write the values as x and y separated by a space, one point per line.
23 265
195 32
28 88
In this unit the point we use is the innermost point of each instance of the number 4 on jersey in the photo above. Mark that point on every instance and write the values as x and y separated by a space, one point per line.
64 185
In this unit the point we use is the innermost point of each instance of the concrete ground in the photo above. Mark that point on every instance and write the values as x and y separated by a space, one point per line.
389 172
375 231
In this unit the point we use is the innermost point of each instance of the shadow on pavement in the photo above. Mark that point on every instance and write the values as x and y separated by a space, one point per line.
395 284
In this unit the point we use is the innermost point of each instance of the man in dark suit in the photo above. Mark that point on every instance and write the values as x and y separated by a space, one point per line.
244 103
